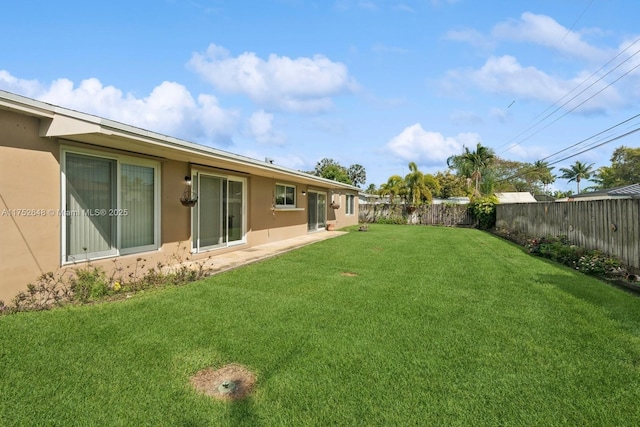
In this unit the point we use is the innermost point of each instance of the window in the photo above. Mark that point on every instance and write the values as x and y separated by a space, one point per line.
349 208
110 205
285 196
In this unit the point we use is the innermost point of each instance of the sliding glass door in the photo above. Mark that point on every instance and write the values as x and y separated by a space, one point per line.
317 210
218 217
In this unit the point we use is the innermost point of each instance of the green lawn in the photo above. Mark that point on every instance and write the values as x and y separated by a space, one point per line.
437 326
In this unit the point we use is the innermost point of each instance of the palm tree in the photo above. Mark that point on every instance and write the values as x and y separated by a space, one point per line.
416 188
544 174
577 172
392 187
473 164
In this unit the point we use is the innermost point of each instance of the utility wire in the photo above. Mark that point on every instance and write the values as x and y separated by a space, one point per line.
580 103
570 92
599 145
591 137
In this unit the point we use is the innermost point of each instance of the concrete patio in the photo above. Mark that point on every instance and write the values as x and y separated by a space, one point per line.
228 261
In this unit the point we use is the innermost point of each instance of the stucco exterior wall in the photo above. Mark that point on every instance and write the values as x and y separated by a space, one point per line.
29 203
30 207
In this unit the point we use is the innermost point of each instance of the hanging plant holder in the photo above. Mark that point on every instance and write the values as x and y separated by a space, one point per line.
334 205
189 198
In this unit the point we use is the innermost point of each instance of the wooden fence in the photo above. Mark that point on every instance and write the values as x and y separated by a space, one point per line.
611 226
441 214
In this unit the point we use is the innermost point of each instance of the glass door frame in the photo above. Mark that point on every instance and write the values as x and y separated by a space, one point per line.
196 213
321 218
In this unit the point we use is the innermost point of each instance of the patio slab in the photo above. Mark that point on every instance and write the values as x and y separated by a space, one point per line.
230 260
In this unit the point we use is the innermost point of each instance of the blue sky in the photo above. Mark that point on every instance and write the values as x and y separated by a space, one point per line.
380 83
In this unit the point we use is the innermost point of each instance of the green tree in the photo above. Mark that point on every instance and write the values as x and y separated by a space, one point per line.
450 185
392 188
330 169
419 187
624 169
357 174
543 173
371 189
473 164
577 172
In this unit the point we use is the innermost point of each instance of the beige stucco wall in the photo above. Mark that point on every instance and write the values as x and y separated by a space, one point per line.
30 203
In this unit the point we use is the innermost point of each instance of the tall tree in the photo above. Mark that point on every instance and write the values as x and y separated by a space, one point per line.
371 189
450 185
419 187
543 172
357 174
472 164
330 169
392 188
577 172
624 169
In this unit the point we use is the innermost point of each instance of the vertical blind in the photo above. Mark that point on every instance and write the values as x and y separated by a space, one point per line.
94 212
137 206
90 193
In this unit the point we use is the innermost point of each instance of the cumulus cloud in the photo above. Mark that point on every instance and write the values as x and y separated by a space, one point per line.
168 109
24 87
301 84
429 148
260 127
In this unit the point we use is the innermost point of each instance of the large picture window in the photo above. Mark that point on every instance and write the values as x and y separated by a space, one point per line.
110 205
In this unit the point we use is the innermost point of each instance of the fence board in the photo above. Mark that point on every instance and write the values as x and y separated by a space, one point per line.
611 226
441 214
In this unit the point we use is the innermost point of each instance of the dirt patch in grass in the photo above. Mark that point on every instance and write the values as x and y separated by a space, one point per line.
348 274
231 382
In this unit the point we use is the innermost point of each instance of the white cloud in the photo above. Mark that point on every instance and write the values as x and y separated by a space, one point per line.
430 148
506 76
169 108
545 31
300 84
13 84
260 127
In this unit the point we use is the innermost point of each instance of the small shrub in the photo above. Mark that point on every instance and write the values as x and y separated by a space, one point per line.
91 283
392 220
560 250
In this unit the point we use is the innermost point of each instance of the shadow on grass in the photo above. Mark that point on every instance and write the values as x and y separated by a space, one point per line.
619 302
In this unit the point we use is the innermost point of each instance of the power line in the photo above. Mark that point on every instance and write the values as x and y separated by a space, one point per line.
574 97
599 145
591 137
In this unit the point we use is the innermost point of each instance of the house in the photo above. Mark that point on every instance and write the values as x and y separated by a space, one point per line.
515 197
76 188
631 191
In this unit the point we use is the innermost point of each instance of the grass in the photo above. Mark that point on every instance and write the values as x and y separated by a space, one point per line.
435 326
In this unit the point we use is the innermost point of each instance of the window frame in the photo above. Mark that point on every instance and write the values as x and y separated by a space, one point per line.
349 204
116 245
285 205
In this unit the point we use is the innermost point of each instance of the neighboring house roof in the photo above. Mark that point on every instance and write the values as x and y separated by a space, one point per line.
452 200
631 191
515 197
60 122
544 198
